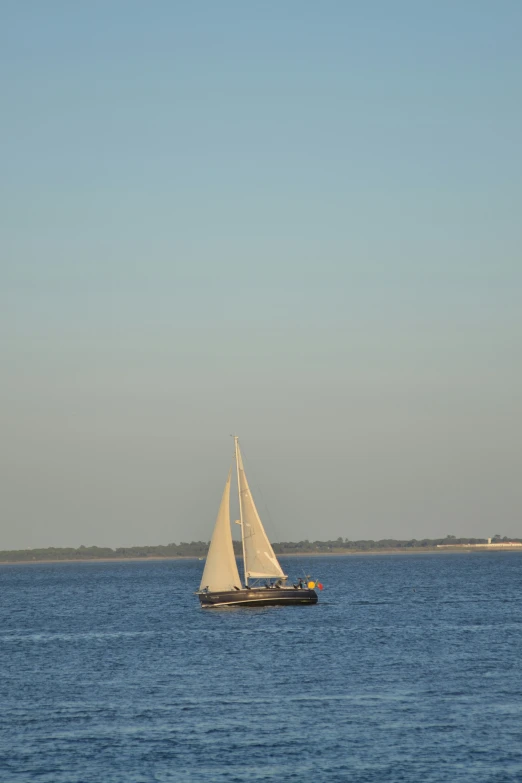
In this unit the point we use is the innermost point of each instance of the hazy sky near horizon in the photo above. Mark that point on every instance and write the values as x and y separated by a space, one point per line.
296 221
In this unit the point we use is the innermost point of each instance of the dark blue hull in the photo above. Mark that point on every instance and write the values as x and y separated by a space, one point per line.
260 596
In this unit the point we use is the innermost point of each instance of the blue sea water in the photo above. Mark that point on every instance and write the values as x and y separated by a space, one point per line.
409 669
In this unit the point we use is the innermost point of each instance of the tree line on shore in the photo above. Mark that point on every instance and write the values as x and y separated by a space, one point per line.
200 548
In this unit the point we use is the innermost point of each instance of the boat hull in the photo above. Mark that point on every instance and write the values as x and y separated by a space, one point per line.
259 596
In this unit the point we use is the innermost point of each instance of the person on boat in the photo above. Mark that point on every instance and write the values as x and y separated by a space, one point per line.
299 585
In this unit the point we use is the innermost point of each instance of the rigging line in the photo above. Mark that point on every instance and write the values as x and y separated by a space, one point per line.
236 537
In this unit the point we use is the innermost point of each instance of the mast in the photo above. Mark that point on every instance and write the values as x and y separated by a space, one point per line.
236 446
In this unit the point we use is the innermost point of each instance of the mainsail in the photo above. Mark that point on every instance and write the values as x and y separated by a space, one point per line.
260 560
220 571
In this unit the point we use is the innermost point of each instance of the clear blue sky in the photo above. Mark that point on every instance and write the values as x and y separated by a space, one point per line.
296 221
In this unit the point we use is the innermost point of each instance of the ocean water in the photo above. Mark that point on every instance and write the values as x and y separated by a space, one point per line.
409 669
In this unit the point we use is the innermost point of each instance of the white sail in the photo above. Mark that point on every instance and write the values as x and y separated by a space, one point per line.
220 572
260 560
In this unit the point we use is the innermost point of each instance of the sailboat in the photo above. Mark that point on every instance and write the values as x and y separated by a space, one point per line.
264 581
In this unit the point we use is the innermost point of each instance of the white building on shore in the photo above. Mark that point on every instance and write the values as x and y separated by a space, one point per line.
489 545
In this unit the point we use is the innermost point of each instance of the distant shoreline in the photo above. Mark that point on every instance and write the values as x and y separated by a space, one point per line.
458 550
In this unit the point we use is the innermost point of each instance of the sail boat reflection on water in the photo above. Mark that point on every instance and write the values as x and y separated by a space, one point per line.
221 584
